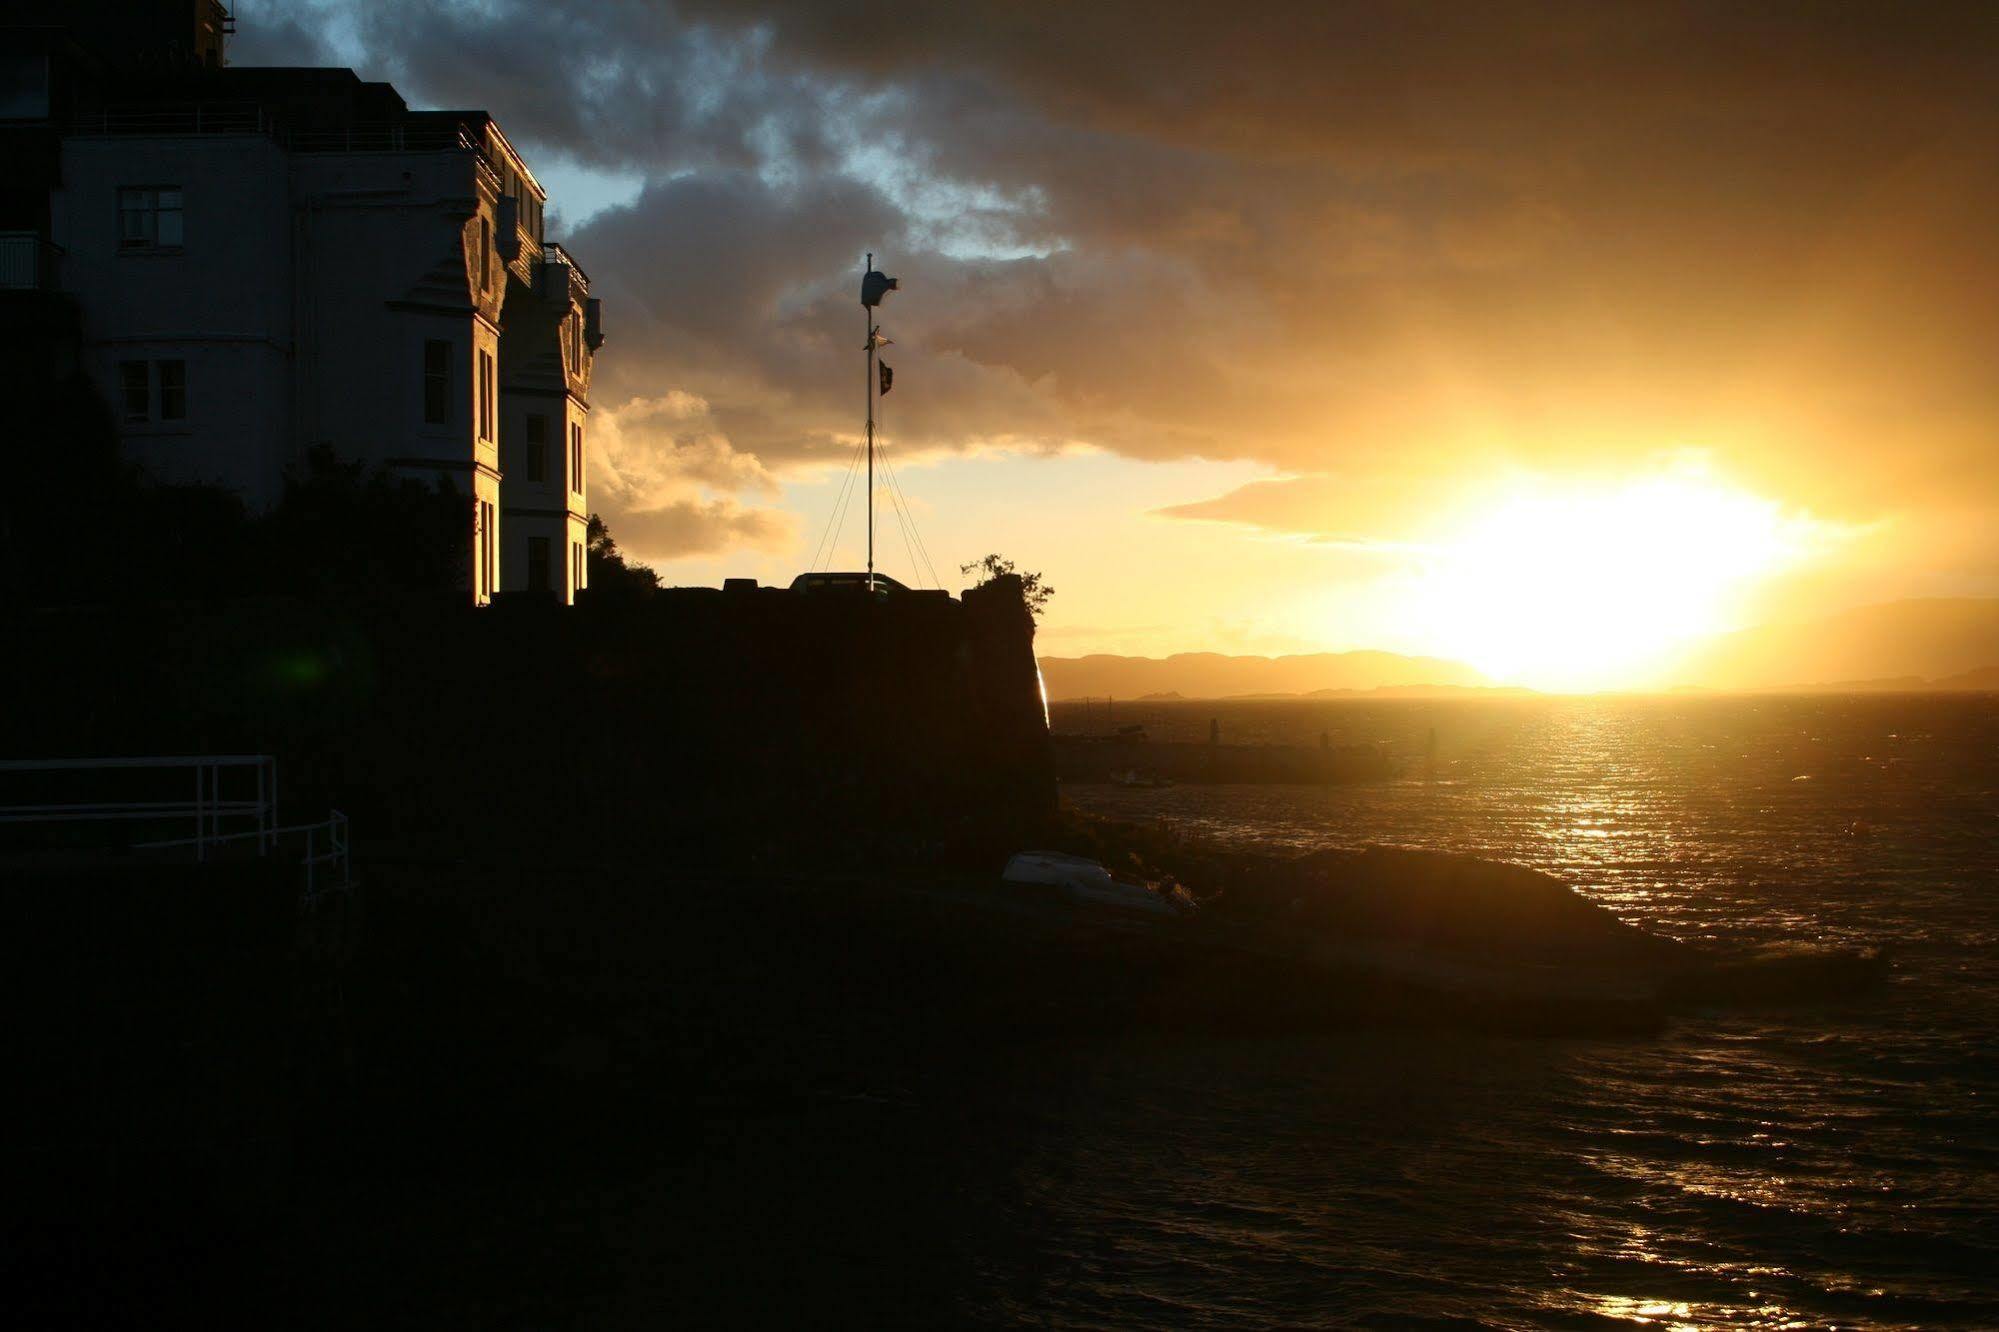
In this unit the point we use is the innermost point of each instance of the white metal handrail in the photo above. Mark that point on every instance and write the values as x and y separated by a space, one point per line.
208 808
326 842
334 826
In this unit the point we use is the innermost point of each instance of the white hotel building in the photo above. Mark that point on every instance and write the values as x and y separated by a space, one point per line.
264 261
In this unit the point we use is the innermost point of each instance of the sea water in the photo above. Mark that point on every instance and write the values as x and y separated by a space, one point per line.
1831 1164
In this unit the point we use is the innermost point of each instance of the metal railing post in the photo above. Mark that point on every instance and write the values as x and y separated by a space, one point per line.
209 809
336 826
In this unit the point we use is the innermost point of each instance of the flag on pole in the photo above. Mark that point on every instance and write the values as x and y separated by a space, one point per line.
875 285
888 376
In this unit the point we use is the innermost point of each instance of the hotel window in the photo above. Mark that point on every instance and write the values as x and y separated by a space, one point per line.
576 458
485 254
537 447
538 564
436 382
135 390
485 395
149 217
575 344
576 565
173 390
152 390
489 541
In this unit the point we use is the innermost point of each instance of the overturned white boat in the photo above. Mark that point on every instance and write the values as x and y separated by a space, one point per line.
1087 883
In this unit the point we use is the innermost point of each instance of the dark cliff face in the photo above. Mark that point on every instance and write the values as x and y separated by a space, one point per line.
1006 685
735 727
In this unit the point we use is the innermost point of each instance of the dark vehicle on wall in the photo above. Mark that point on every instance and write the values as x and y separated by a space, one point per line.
845 582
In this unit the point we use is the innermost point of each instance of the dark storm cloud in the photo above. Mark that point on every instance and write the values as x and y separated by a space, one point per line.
1386 242
275 38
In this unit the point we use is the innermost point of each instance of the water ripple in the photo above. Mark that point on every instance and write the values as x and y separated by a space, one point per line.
1837 1165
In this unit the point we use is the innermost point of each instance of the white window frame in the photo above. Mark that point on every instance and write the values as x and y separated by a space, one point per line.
154 369
149 202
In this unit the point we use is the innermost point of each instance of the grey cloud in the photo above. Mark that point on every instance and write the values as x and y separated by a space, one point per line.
610 83
691 527
271 33
1382 240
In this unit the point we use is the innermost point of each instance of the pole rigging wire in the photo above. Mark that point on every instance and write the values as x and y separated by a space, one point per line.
836 521
901 498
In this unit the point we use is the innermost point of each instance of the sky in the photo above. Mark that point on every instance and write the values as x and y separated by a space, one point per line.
1544 337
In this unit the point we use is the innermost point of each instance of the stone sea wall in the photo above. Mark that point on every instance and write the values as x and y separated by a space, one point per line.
733 726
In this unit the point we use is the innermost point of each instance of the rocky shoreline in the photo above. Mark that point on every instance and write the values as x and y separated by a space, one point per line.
450 1012
1465 926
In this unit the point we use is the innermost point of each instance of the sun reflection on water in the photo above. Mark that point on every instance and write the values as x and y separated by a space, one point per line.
1663 1313
1780 1169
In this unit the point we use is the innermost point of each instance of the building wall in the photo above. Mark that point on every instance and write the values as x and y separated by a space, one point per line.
536 510
384 253
299 306
400 249
552 508
219 303
547 365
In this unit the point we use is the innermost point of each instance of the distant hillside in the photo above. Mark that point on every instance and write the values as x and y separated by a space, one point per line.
1212 675
1938 643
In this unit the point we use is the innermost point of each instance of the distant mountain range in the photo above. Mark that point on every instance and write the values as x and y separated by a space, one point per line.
1934 644
1212 675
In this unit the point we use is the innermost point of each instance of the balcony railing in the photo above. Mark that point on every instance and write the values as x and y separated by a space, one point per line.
552 253
27 262
386 136
177 118
421 133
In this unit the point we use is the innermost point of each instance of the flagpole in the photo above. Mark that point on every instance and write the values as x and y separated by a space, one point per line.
868 313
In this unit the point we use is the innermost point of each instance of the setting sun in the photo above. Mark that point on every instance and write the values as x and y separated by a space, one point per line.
1579 588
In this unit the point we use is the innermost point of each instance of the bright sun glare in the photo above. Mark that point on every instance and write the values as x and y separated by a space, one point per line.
1593 588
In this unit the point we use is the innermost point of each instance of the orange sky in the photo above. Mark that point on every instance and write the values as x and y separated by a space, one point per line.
1295 326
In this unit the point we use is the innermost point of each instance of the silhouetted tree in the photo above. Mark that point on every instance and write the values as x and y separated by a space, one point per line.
78 522
610 572
346 528
1031 586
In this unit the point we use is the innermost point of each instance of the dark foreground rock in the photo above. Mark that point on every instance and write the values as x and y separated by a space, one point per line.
235 1103
1469 925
